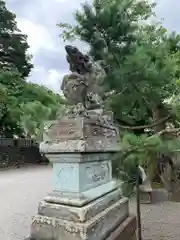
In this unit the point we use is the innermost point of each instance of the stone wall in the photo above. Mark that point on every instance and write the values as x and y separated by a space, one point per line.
16 152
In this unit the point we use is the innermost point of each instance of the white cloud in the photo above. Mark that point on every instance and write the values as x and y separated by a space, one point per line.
51 78
38 36
38 19
168 10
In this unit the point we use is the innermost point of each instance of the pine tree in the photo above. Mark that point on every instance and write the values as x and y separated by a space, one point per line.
140 69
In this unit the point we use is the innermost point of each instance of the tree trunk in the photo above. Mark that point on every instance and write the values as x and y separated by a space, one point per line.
158 113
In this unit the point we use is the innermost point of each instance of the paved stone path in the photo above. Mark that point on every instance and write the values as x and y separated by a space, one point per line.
21 190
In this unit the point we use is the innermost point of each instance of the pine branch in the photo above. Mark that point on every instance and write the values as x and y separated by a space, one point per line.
162 120
173 130
133 149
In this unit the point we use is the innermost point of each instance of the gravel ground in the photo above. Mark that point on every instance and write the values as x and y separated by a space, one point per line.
22 189
160 221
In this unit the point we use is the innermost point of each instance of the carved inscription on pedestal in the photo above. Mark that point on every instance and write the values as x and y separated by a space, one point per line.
93 129
65 130
78 129
97 174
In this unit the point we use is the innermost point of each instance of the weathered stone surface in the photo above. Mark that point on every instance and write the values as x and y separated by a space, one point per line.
81 214
80 199
98 227
80 157
80 128
80 135
75 177
84 84
94 174
125 231
86 203
89 145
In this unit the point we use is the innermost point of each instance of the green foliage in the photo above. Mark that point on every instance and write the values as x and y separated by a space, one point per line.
35 115
23 106
13 44
138 58
105 14
140 150
45 96
3 99
12 81
12 86
24 101
32 118
142 62
39 104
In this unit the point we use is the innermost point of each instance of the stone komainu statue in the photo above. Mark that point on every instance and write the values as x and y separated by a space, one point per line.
84 84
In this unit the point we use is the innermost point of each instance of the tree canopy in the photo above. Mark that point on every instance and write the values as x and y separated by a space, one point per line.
13 44
21 100
23 105
142 64
140 58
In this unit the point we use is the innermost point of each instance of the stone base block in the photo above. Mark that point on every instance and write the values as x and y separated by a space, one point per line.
96 228
84 213
125 231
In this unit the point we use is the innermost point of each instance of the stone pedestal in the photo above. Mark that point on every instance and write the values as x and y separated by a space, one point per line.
86 203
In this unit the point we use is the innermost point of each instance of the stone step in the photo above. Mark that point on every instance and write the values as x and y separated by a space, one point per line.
96 228
159 195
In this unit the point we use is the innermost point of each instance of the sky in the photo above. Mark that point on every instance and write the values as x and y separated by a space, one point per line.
38 19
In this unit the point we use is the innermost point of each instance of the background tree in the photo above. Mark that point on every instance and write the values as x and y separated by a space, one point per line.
23 105
135 151
17 99
136 56
3 94
34 114
14 66
12 84
13 44
141 60
25 102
